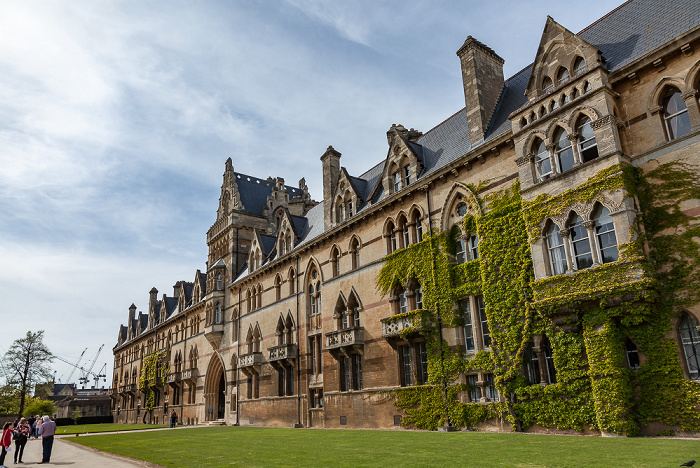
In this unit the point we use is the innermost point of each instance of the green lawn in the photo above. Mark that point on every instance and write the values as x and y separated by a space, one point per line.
83 428
235 446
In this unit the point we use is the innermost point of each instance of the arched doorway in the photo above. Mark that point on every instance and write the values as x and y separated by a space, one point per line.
215 390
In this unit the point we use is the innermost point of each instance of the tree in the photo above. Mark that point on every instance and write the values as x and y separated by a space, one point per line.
41 407
26 364
76 415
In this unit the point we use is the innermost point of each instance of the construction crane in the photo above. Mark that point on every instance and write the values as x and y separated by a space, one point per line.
74 367
88 374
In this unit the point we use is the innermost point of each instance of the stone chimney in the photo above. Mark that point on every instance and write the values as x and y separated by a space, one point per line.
153 298
331 173
482 76
132 315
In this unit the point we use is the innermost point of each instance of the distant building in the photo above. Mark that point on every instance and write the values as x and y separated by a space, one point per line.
68 397
581 312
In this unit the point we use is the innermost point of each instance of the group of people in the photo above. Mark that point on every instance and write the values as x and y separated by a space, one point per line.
23 430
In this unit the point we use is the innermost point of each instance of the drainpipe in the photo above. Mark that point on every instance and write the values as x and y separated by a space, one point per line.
238 350
437 307
184 360
296 289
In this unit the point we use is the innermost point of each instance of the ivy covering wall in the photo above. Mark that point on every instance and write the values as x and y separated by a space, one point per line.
587 316
154 368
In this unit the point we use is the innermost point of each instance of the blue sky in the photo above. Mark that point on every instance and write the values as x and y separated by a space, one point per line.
116 119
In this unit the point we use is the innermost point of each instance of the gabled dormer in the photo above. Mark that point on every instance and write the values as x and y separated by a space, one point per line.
347 198
216 276
560 56
287 236
230 197
199 288
278 197
256 257
403 163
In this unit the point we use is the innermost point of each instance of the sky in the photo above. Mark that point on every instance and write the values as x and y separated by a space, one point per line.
116 119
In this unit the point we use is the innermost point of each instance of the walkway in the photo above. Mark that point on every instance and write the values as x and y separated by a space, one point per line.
76 456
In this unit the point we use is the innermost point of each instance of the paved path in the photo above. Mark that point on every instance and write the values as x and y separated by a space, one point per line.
76 456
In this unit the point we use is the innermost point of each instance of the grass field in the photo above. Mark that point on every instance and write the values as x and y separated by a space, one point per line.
90 428
235 446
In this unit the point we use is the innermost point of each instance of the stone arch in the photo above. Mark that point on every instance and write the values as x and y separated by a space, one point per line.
458 192
589 112
692 78
386 224
660 90
354 238
554 125
531 137
215 389
310 265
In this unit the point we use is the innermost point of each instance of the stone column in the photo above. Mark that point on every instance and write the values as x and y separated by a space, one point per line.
476 324
542 363
398 235
590 228
482 387
691 102
573 138
564 233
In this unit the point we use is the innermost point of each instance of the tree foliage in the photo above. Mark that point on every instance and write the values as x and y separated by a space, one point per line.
26 364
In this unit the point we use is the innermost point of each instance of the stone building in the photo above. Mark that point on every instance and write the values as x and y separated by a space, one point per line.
557 211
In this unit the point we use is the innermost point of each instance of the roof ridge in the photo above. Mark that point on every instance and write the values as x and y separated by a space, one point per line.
603 17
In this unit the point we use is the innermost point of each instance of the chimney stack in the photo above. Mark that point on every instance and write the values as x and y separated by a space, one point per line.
331 174
482 76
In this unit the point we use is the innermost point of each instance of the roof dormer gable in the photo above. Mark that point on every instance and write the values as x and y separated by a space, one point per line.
256 257
287 235
347 198
561 56
403 161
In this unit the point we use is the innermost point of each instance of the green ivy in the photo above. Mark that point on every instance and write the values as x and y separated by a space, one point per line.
154 368
587 315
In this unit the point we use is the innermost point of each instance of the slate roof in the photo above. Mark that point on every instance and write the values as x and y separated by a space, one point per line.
254 192
268 243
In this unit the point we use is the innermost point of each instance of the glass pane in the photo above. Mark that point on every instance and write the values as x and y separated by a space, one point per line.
474 391
485 332
691 344
580 244
468 328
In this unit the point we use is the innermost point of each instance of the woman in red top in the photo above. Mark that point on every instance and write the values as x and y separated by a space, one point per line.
5 440
22 431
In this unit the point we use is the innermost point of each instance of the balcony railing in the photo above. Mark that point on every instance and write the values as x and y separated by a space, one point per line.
251 359
128 388
393 326
190 374
346 337
286 351
173 377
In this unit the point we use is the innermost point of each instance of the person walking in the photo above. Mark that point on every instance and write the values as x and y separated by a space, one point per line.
21 436
5 442
173 418
32 423
46 431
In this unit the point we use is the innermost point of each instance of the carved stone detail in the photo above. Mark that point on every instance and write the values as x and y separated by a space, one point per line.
607 120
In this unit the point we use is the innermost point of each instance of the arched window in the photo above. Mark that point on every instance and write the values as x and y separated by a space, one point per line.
280 334
219 282
403 302
563 150
217 315
690 339
278 288
580 245
473 246
417 225
543 165
406 175
339 211
586 87
632 354
403 227
314 300
547 85
587 146
397 181
390 237
355 253
562 76
532 365
605 235
249 300
335 261
259 301
549 360
419 297
292 281
461 250
579 66
555 249
676 119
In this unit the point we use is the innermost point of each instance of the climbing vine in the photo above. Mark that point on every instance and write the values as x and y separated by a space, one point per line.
154 368
587 315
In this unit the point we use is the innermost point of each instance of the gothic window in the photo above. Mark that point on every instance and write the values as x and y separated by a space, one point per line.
532 366
484 322
278 288
632 354
390 237
581 247
406 175
314 300
219 282
335 261
259 301
474 391
605 235
473 246
562 76
417 225
555 250
291 278
469 344
397 181
549 360
249 300
587 146
553 104
676 119
355 253
350 212
461 250
586 87
490 388
543 165
564 151
406 366
217 315
403 302
690 339
422 362
357 371
547 85
579 66
419 297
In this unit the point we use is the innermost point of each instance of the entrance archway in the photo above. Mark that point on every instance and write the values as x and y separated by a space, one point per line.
215 390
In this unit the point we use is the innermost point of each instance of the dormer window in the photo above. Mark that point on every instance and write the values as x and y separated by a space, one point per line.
547 85
562 76
579 66
406 175
397 181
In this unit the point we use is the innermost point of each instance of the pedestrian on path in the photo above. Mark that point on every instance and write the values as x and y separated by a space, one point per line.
5 442
21 436
173 418
47 431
